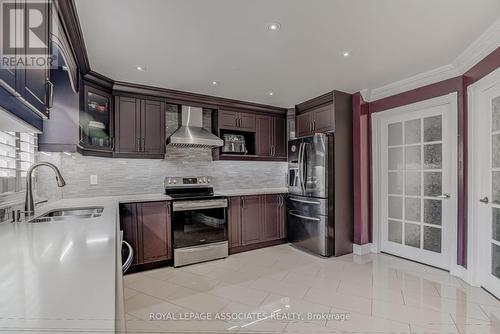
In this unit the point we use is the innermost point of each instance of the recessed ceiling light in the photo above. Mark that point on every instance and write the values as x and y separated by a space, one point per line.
140 68
214 83
346 54
271 93
274 26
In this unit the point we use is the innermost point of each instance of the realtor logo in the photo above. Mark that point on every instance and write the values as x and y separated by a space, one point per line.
24 33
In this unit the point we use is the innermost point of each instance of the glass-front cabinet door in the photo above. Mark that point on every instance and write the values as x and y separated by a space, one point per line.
96 115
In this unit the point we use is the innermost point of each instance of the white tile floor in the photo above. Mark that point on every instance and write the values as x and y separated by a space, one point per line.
379 294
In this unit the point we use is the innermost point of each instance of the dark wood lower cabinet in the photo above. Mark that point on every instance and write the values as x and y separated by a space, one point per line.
271 223
251 219
256 221
234 226
147 227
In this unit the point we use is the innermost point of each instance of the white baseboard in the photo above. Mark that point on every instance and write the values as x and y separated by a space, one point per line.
362 249
464 274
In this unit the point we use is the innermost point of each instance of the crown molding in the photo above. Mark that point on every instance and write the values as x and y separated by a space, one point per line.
366 94
486 43
479 49
423 79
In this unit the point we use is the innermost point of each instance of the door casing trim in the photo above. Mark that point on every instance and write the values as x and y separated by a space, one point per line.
474 251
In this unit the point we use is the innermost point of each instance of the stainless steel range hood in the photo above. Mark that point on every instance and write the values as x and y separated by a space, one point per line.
191 132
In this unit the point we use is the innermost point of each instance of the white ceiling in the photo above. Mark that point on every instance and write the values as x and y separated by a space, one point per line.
187 44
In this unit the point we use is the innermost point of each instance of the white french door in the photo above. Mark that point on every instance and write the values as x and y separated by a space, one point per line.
417 182
488 203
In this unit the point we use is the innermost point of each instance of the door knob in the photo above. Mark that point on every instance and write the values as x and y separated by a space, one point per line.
484 200
445 196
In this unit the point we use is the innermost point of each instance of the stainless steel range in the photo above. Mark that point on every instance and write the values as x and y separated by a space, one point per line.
199 221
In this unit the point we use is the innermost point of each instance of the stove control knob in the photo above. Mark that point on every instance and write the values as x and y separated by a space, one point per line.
204 180
169 180
200 181
208 180
175 181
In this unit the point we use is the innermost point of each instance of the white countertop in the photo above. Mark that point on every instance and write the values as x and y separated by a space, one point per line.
62 275
248 192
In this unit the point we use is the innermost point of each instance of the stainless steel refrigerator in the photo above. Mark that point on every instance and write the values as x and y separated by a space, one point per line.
320 200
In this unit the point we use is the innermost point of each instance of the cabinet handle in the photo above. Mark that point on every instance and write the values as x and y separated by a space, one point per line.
50 94
243 202
112 143
314 125
239 122
139 144
310 126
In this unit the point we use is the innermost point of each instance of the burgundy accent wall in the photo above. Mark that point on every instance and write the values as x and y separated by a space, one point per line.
489 64
459 85
362 172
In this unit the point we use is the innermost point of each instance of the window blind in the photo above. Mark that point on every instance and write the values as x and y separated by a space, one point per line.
17 154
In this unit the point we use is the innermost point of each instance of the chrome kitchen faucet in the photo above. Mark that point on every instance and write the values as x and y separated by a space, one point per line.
29 205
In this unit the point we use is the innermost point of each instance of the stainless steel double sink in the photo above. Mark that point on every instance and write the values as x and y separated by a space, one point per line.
70 213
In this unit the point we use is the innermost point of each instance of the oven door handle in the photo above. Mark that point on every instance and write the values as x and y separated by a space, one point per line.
199 205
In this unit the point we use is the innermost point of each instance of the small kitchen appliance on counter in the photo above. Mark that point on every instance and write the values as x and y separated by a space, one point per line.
234 144
199 221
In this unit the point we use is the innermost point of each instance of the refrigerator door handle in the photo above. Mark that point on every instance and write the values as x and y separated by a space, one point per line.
304 201
300 171
304 217
303 166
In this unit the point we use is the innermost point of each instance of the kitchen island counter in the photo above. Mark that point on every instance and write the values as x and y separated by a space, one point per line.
65 275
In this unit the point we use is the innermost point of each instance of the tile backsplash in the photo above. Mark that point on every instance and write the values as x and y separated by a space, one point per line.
136 176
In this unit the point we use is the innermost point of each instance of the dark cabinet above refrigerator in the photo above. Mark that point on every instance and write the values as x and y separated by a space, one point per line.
318 115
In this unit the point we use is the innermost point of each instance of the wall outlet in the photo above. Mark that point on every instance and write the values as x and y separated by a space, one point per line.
93 179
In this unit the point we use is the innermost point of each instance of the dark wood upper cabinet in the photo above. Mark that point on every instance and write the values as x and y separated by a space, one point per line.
127 123
228 120
318 114
233 120
146 227
323 119
33 82
280 137
140 127
153 127
271 136
247 122
96 119
264 136
8 78
26 91
303 124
